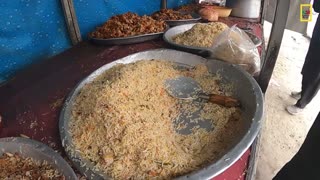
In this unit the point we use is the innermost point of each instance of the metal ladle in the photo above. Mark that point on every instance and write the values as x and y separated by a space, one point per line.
188 88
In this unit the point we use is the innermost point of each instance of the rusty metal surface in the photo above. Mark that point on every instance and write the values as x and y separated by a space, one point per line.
30 103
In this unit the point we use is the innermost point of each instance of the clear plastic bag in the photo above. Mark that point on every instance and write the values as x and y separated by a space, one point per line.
235 46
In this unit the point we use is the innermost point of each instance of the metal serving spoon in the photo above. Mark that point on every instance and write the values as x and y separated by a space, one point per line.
188 88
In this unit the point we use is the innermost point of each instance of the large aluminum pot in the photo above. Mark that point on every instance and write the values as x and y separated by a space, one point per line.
245 89
245 8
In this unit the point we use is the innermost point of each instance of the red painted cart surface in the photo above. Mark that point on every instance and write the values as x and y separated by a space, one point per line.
30 103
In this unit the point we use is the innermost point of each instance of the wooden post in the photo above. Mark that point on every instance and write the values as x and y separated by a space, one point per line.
163 4
278 26
71 21
268 61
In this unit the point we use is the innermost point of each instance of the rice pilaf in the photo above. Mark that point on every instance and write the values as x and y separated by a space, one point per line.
201 34
123 123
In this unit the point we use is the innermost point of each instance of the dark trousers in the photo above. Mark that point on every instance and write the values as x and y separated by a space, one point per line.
305 164
311 69
310 88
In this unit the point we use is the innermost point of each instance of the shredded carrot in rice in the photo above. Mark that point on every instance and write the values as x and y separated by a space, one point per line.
123 123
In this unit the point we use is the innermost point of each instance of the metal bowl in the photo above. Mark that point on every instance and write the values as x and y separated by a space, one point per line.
37 151
170 33
196 18
245 89
127 40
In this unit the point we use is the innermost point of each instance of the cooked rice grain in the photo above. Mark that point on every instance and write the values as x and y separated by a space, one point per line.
14 166
123 123
201 34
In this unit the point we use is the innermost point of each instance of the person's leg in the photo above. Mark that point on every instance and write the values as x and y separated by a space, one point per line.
313 47
297 108
310 73
305 164
310 88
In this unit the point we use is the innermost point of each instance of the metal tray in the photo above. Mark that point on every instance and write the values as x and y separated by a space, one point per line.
127 40
192 49
37 151
196 18
245 89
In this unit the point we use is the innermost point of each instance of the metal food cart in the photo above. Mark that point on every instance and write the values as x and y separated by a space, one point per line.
38 91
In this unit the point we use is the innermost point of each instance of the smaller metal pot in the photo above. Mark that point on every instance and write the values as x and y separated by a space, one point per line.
37 151
245 8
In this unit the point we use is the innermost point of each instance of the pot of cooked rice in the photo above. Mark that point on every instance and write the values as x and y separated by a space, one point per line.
120 123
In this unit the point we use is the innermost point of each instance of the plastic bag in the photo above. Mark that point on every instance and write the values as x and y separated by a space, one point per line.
235 46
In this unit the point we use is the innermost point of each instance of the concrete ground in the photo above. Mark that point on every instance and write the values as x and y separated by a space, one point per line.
282 134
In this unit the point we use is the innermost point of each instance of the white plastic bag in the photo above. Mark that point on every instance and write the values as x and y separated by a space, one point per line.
235 46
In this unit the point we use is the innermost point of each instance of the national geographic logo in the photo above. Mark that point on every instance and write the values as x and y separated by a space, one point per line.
305 12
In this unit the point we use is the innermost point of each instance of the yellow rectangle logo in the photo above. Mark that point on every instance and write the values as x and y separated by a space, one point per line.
305 12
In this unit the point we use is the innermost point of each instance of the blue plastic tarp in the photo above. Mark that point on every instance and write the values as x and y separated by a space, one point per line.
33 30
30 30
